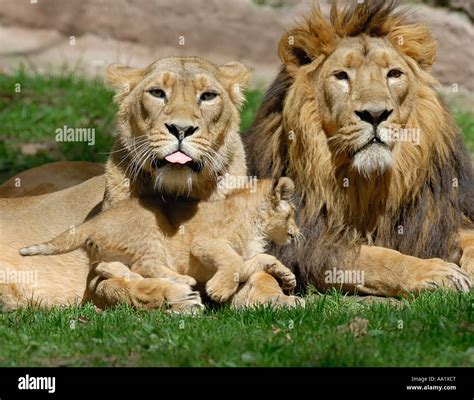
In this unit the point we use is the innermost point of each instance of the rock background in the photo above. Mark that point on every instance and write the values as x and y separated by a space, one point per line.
87 35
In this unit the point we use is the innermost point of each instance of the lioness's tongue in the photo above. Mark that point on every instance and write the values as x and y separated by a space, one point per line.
178 158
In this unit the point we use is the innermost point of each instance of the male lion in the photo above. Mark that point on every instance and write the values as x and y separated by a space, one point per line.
178 134
218 244
354 119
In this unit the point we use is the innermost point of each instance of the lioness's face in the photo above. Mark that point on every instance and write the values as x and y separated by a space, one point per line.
184 110
364 89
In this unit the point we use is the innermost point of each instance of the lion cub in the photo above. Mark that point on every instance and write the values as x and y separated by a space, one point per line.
219 243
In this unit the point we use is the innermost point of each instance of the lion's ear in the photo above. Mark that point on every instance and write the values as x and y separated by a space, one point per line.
283 190
235 77
305 43
416 42
294 49
122 78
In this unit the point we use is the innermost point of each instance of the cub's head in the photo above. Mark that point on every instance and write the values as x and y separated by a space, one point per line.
176 118
279 221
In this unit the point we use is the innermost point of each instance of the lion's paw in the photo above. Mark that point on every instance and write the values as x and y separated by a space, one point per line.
436 273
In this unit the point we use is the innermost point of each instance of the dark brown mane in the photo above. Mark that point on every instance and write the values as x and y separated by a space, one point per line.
431 213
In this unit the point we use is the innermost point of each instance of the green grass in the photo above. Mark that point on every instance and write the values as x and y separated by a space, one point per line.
437 328
432 330
44 104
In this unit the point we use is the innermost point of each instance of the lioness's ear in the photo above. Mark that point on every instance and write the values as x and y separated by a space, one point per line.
122 78
283 190
235 77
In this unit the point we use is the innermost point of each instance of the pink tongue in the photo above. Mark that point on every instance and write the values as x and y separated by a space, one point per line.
178 158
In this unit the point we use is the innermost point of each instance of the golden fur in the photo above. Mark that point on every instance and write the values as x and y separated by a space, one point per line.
171 92
211 242
61 279
37 181
347 84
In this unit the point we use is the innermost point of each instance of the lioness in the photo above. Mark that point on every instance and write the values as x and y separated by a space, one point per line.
209 241
178 133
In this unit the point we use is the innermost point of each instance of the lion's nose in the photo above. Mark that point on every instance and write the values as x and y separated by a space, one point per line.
181 132
374 116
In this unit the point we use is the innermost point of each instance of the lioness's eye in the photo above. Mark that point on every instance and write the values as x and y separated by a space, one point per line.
342 76
206 96
394 73
158 93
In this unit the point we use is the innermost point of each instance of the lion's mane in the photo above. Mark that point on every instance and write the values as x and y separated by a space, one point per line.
416 208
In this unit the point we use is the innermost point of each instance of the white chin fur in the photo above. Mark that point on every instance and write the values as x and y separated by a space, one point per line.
176 181
373 160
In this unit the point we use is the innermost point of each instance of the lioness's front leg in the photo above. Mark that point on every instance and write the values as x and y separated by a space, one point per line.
123 286
386 272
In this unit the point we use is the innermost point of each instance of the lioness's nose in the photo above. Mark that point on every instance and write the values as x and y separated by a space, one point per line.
374 116
181 132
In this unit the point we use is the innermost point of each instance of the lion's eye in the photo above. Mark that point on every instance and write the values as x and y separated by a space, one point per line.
394 73
342 76
158 93
207 96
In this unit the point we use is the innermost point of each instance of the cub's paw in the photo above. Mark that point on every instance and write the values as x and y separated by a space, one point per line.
283 274
435 274
116 270
222 286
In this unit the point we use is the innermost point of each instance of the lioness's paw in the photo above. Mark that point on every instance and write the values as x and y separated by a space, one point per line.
182 299
436 273
184 279
222 286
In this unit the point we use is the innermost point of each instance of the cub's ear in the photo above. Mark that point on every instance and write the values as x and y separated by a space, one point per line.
283 190
235 77
123 79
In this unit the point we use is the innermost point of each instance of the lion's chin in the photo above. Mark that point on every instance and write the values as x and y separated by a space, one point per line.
373 160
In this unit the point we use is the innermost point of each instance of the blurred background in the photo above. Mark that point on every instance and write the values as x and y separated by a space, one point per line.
53 54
